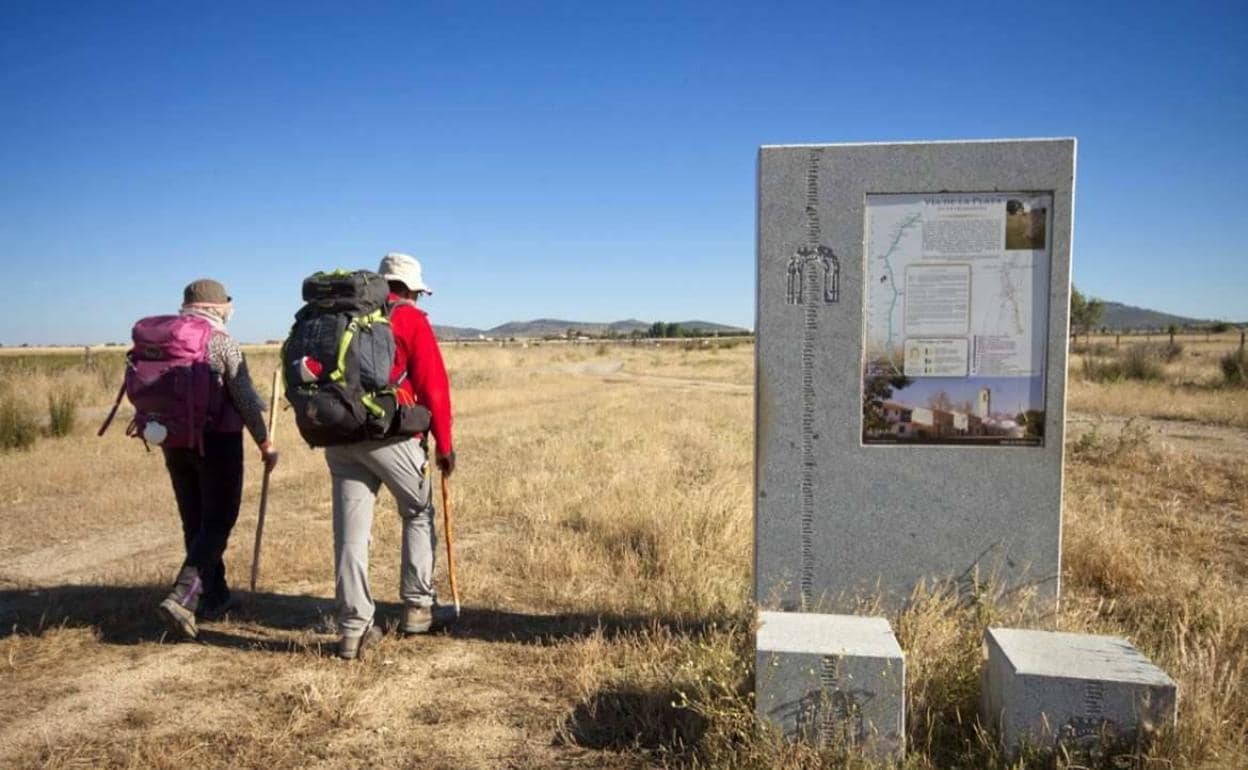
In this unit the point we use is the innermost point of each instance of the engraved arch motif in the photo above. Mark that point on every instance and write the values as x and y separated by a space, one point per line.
806 265
832 714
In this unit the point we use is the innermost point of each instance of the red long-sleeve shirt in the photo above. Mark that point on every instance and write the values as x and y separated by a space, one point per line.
417 354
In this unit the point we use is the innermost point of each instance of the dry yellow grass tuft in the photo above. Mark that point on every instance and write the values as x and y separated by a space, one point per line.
604 535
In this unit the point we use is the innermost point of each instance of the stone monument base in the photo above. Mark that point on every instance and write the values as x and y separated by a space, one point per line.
830 679
1074 689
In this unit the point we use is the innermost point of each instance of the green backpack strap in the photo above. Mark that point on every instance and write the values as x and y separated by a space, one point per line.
378 316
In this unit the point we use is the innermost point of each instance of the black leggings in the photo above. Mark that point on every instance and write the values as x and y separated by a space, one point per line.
209 490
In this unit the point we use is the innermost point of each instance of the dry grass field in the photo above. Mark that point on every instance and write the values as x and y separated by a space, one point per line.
1186 384
603 529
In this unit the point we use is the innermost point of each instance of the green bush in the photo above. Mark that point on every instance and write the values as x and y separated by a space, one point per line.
1142 362
18 429
1139 363
1235 368
62 412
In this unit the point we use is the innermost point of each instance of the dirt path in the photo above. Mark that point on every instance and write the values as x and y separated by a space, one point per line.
1222 441
79 561
94 684
458 689
98 696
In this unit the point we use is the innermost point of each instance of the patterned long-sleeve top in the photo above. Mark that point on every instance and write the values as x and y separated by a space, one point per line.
227 359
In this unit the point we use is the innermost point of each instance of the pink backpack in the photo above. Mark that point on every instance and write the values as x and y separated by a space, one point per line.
170 382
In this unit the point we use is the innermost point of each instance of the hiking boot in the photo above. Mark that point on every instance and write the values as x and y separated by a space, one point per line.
178 608
188 587
216 607
177 618
352 647
416 619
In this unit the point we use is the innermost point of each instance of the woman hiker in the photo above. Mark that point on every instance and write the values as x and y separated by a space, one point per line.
208 485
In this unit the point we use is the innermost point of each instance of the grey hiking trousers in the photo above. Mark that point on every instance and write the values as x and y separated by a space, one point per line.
358 471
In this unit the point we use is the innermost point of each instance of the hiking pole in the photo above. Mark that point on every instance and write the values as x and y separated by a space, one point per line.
264 485
450 541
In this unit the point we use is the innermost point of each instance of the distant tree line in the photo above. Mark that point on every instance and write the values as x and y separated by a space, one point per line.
666 330
1085 312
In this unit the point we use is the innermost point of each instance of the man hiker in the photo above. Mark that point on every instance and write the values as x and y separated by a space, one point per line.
208 479
359 469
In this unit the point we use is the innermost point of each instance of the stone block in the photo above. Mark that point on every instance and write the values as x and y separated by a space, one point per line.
832 679
1047 688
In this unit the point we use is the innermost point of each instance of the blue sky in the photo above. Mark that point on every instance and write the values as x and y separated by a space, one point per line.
590 161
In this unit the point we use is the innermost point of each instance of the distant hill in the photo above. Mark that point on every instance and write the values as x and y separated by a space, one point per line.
545 327
1120 316
628 326
556 327
706 327
1117 316
457 332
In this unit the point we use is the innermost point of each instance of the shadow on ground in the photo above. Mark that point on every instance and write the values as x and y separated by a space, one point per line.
616 719
126 614
624 719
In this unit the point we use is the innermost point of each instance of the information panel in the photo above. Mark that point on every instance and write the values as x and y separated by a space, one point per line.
956 318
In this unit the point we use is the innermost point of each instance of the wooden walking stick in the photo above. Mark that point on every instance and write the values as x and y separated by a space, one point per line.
264 485
450 541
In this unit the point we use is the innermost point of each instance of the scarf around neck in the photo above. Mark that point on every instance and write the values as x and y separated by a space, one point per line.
213 314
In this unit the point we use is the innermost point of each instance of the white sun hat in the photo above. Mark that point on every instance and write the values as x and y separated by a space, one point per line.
403 268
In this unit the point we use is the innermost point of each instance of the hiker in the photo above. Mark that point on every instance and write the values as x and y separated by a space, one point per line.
208 479
359 469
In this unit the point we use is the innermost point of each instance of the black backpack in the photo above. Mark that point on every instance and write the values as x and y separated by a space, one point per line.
337 362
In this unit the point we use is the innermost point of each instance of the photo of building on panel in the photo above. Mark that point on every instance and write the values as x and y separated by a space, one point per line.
974 410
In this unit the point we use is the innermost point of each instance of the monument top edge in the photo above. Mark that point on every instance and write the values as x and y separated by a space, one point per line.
910 142
826 634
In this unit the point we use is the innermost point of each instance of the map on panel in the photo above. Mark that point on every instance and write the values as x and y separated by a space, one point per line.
956 318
